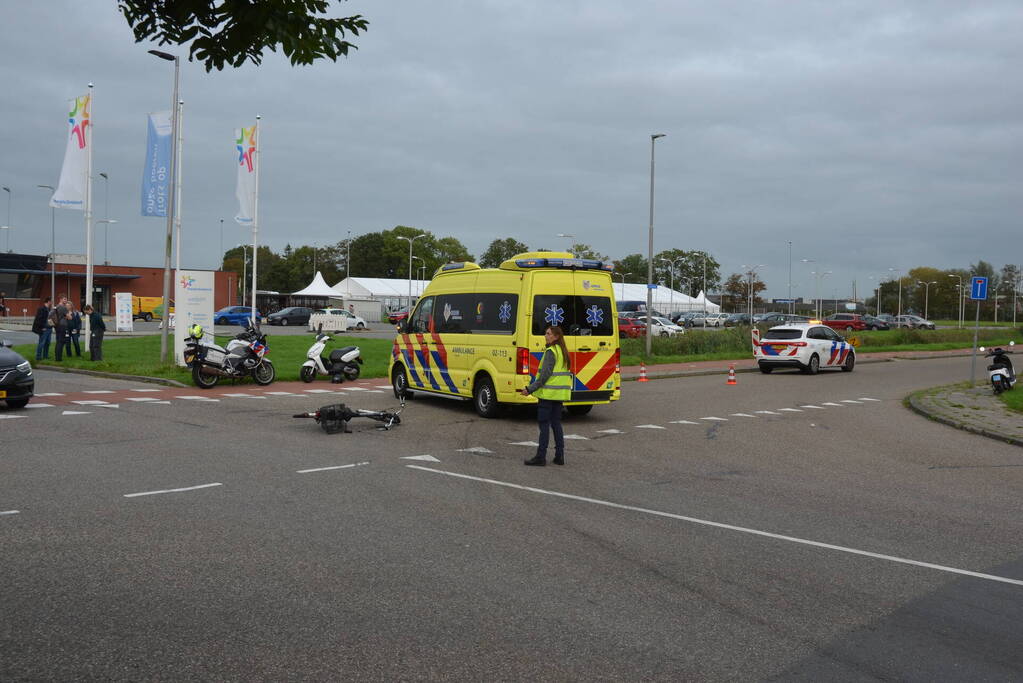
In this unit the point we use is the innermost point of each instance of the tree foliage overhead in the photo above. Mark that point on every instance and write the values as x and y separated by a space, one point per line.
500 251
231 32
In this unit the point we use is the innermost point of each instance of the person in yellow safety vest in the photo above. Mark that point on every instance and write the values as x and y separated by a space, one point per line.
552 386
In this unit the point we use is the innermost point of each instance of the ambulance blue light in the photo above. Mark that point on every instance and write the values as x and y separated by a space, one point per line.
531 262
453 266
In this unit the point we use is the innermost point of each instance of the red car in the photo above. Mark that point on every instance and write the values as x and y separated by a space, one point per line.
395 318
846 321
630 327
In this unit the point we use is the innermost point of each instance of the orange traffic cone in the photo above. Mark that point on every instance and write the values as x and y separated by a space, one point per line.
731 374
642 372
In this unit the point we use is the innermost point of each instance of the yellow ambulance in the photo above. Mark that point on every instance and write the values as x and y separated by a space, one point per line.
478 333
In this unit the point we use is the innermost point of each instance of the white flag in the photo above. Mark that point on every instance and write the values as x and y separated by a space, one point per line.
70 192
245 145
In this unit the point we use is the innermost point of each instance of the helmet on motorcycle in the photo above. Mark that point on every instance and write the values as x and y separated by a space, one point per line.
196 331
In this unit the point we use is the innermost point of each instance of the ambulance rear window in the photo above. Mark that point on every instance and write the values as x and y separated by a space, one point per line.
578 316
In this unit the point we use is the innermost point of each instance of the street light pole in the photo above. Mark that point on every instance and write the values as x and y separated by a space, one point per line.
650 249
221 266
622 290
792 304
106 213
7 226
245 270
53 244
561 234
410 240
419 269
960 297
927 287
106 225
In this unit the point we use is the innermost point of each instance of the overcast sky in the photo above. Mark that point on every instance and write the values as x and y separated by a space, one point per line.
872 135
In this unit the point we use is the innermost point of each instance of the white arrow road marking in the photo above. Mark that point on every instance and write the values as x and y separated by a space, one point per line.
39 405
864 398
524 443
475 449
9 512
768 412
813 407
187 488
577 437
837 405
98 391
729 527
143 399
683 422
789 410
607 431
71 412
12 417
89 403
427 458
651 426
49 394
742 415
851 401
336 467
715 419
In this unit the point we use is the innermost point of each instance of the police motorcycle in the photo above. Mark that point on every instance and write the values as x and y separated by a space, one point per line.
342 364
245 355
1000 371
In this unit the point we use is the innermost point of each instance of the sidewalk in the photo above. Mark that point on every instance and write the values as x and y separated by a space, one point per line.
974 410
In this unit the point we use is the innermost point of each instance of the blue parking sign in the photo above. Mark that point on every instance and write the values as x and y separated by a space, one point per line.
978 288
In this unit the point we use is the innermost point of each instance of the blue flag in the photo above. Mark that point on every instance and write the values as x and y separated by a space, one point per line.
156 174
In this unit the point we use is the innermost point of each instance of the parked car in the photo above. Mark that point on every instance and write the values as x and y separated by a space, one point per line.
630 327
913 322
846 321
737 319
662 327
234 315
335 319
16 381
887 317
293 315
712 320
779 318
807 346
876 323
636 309
397 317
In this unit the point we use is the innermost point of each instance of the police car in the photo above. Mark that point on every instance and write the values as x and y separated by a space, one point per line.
807 346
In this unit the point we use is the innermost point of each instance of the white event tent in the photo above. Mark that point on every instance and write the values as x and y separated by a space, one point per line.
318 287
664 299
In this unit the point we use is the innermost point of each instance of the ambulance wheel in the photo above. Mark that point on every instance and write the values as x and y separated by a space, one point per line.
813 366
484 397
307 373
399 382
579 410
849 363
147 316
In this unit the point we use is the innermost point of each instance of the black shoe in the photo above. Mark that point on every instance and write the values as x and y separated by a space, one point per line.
537 460
559 461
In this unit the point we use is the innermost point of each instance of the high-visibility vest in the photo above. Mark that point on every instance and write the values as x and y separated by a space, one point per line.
559 385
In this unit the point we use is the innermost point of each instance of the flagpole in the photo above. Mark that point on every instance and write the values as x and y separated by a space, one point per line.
165 318
88 210
177 206
255 216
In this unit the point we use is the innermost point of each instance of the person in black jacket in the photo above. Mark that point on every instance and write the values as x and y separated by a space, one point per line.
96 329
41 326
74 331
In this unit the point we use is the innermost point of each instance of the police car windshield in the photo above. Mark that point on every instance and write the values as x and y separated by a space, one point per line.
783 333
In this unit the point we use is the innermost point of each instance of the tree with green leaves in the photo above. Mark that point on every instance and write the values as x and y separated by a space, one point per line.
500 251
633 267
587 252
229 33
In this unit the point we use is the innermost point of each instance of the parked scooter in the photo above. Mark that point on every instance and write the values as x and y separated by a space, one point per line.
1000 371
342 364
244 356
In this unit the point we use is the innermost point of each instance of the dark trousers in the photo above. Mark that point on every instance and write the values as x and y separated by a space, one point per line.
548 416
62 341
43 347
96 345
73 339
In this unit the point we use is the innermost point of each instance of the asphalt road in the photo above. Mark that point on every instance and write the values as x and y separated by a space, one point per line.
851 540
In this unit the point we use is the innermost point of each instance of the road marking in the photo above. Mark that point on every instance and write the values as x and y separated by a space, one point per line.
864 398
608 431
146 389
851 401
39 405
89 403
356 389
428 458
475 449
577 437
318 391
524 443
98 391
11 417
49 394
336 467
154 403
239 395
109 405
813 407
651 426
837 405
9 512
281 393
730 527
717 419
742 415
197 398
76 412
768 412
789 410
143 399
187 488
681 422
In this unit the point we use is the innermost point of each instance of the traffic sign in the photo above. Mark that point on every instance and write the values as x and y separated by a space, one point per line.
978 288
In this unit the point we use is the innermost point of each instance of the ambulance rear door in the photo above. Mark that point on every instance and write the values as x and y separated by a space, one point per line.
595 335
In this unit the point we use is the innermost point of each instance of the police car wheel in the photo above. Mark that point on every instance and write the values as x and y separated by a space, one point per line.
484 397
814 365
849 363
766 369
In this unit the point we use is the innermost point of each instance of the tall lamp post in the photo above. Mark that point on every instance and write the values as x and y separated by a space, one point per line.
899 271
621 291
927 287
410 240
7 226
221 266
164 322
960 297
245 268
348 264
53 244
419 269
106 235
671 284
752 270
650 249
567 236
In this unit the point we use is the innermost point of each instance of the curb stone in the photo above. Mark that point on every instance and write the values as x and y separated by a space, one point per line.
925 403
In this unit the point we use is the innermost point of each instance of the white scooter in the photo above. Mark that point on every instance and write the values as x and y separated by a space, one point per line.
1000 371
342 364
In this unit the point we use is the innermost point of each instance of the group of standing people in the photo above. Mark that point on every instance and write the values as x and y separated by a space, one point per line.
64 323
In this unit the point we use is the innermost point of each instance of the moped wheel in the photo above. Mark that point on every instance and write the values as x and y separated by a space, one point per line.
351 373
264 374
203 381
307 373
